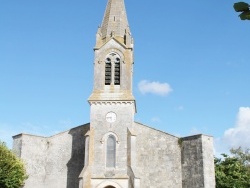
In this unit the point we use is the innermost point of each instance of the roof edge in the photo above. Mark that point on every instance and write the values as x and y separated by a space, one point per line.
27 134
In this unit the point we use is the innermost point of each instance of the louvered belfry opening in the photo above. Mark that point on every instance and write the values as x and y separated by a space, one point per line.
108 72
112 69
117 71
111 152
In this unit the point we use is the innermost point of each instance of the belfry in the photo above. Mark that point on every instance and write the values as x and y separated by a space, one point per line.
114 151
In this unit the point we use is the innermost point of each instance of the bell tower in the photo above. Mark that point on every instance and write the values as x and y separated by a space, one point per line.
108 160
113 64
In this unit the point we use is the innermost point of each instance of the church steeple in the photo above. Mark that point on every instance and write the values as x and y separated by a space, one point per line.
115 24
112 104
113 65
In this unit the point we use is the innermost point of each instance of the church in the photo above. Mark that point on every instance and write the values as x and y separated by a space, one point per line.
114 151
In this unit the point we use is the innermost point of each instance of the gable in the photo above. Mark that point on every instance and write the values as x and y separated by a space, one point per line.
114 43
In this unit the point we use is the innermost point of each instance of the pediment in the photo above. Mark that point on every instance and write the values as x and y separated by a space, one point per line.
115 43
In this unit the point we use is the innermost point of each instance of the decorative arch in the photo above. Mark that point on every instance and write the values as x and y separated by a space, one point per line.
107 184
105 52
104 138
110 143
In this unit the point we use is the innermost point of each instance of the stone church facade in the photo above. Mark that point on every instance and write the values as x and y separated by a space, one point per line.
114 151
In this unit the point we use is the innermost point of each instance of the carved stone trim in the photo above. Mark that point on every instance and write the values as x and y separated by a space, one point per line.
106 183
110 102
104 138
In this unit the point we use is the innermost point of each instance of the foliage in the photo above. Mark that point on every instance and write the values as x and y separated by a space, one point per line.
233 171
12 171
244 9
243 156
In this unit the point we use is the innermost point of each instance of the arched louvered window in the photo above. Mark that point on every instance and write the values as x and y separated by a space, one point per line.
111 152
112 69
108 71
117 71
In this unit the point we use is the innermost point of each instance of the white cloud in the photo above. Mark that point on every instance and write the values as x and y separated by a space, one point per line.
240 134
157 88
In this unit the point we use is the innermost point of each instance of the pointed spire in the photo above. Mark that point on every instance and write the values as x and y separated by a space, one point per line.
115 22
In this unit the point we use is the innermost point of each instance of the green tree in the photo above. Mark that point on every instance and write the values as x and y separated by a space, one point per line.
233 171
12 170
243 156
244 9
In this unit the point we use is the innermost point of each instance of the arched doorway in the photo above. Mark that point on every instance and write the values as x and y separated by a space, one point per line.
108 184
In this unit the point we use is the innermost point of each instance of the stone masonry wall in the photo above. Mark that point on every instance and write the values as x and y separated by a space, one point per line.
32 150
158 158
197 162
100 129
208 161
53 162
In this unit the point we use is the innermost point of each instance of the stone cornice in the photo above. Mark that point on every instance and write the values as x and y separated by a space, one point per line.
110 102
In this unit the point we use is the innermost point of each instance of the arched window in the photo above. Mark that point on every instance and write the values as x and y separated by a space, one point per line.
108 71
117 71
112 69
111 152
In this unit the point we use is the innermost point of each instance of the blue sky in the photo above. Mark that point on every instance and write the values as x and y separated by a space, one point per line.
191 72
